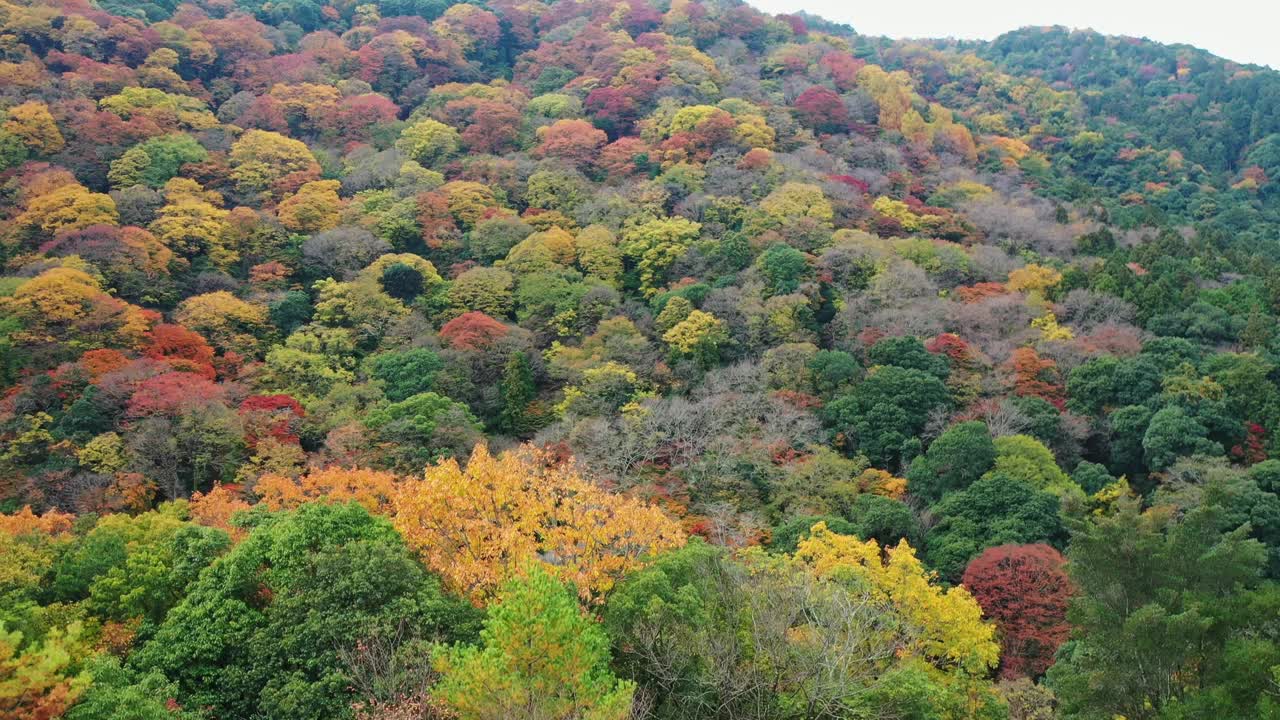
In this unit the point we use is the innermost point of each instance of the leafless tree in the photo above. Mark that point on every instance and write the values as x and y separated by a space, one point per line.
1023 222
1086 309
1004 418
779 628
989 263
391 676
342 251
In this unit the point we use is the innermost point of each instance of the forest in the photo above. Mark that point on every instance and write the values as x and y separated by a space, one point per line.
630 360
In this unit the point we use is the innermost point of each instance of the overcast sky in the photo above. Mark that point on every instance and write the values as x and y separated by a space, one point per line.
1242 30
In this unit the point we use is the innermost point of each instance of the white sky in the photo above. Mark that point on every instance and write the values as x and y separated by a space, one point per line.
1241 30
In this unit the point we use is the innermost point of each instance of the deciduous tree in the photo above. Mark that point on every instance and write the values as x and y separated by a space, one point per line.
32 124
540 657
479 525
1025 590
314 208
261 158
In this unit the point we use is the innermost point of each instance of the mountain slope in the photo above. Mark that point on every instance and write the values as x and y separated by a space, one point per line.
853 343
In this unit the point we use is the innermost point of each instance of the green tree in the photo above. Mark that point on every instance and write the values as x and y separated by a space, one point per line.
118 693
1109 382
1247 388
908 352
137 566
402 282
155 161
290 312
1173 433
953 462
996 510
421 429
785 537
834 372
540 658
1091 477
1027 459
883 519
1267 475
783 268
12 150
1128 428
889 408
1159 599
260 632
518 393
805 637
492 239
406 373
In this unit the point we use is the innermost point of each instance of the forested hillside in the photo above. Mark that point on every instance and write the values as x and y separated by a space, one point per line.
594 360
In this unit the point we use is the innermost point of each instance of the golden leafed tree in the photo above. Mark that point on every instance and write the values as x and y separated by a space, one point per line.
477 525
373 489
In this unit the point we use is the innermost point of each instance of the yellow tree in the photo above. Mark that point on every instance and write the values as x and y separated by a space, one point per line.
227 321
944 626
797 200
38 677
190 223
375 490
429 142
468 201
160 107
655 245
68 307
898 210
598 253
314 208
477 526
41 679
260 158
482 289
1033 279
892 93
31 123
1049 328
67 207
700 335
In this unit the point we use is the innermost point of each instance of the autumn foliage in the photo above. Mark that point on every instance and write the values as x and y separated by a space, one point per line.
472 331
216 507
373 489
271 271
1025 590
478 524
1034 376
25 521
948 622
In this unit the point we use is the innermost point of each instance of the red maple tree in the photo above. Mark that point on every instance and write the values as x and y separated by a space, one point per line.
472 331
1025 590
